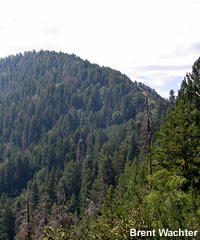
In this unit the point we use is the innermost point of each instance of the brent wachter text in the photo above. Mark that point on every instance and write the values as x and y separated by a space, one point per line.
163 232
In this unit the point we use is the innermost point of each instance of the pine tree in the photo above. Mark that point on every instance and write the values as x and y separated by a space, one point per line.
109 208
171 97
7 219
180 145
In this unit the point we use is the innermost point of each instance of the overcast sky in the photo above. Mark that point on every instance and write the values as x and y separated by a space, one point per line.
152 41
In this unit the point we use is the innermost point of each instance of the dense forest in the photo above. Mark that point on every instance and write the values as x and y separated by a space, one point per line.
88 154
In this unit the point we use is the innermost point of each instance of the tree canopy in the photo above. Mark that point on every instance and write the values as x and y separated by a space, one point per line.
73 142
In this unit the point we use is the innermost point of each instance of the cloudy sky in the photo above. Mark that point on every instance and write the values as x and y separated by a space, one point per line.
152 41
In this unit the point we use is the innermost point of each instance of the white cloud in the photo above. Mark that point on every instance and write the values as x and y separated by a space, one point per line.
158 75
179 84
164 94
53 29
152 40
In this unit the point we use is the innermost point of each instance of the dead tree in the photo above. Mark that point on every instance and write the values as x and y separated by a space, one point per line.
23 223
149 132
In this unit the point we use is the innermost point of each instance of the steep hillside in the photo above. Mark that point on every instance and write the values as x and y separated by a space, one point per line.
67 130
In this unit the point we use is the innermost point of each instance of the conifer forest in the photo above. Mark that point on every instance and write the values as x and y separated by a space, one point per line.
86 153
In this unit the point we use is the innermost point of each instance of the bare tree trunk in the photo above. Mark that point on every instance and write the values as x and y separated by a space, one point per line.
28 219
149 133
23 223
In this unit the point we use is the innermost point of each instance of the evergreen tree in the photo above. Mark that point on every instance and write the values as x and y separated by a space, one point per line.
171 97
109 207
7 219
179 145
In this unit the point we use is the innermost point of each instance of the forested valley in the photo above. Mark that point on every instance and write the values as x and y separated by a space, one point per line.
85 153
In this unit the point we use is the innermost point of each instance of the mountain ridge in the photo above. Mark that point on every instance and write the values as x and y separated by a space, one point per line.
68 126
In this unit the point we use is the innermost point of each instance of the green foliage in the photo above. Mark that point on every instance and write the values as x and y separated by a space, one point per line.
58 234
167 206
67 128
7 218
179 145
73 164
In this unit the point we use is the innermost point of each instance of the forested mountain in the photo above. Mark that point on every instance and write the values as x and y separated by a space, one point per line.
74 144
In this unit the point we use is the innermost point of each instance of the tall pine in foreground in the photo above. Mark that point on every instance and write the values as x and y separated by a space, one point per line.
179 145
174 200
